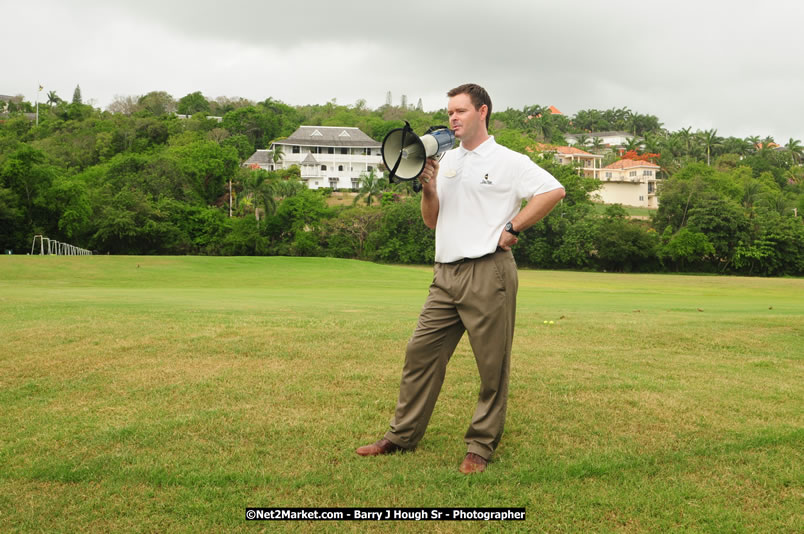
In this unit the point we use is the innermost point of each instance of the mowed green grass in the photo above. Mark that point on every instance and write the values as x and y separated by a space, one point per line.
163 394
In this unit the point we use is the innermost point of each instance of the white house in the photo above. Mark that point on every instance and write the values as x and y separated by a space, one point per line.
328 156
609 139
629 182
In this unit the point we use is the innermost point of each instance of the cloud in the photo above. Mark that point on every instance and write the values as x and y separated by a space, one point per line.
734 65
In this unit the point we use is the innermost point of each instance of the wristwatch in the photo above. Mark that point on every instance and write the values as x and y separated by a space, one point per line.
510 228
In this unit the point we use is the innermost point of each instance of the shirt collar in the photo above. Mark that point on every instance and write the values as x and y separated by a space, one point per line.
484 149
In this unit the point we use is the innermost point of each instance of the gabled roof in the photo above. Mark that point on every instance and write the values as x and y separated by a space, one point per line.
260 157
566 150
572 151
309 160
336 136
629 163
554 110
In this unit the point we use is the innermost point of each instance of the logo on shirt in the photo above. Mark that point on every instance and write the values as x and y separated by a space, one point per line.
485 180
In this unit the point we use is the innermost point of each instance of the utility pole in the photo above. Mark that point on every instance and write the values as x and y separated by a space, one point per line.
37 103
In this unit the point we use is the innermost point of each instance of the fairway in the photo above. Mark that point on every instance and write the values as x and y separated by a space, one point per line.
164 394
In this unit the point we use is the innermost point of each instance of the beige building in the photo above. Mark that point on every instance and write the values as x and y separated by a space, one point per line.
630 183
589 164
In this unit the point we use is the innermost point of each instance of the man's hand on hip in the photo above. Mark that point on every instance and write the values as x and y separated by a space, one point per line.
507 240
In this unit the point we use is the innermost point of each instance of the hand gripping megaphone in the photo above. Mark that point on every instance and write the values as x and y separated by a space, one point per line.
405 153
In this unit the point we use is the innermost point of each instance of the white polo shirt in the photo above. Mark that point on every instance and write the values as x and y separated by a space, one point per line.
478 192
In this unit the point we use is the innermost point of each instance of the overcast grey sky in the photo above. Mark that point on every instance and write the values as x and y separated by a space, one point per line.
734 65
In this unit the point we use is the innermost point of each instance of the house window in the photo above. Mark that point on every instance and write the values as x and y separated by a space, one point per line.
333 183
355 184
331 150
323 167
651 187
647 173
370 168
296 149
344 151
632 173
641 198
368 151
608 174
340 168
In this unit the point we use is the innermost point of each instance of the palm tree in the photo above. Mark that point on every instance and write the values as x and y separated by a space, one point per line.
765 149
735 145
753 140
52 98
796 150
794 176
597 143
778 202
278 155
710 140
371 186
632 143
582 140
672 145
686 138
652 144
751 194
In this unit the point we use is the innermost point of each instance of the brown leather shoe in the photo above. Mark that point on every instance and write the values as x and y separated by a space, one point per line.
384 446
473 463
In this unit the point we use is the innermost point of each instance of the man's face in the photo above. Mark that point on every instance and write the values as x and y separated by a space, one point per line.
464 119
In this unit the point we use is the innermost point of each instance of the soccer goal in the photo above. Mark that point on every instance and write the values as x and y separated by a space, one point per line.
52 247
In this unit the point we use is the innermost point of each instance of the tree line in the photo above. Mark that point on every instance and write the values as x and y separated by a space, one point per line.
139 179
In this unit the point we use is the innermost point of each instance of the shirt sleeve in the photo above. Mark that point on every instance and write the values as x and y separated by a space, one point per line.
533 180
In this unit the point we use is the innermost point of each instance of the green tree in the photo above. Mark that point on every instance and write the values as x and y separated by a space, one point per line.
371 186
11 220
724 223
77 95
402 236
294 228
686 248
710 141
207 166
623 245
193 103
27 174
346 235
795 149
633 143
157 103
52 98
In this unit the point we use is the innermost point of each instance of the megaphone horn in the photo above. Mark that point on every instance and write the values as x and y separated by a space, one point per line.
405 153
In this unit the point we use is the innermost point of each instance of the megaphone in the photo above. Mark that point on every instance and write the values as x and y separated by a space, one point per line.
405 153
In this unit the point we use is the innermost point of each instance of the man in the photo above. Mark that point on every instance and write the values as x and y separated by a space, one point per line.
472 199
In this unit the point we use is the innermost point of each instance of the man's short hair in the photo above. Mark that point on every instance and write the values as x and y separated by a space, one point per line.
477 95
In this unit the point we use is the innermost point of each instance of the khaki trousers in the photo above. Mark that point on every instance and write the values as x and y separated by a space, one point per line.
477 296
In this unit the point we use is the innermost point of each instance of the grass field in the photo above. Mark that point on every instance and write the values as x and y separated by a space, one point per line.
163 394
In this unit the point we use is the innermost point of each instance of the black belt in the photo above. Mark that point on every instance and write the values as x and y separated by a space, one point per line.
464 260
